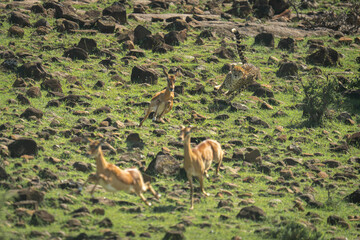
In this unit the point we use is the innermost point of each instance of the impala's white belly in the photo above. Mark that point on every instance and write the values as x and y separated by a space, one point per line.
108 187
122 187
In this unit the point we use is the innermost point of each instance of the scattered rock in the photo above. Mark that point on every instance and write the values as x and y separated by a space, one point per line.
29 194
30 112
164 164
76 53
141 74
22 99
133 140
354 197
16 31
174 235
332 163
253 155
287 44
257 121
287 69
3 174
253 213
292 161
33 70
174 38
20 19
336 220
117 11
34 92
82 167
326 57
52 85
105 223
177 25
47 174
287 174
41 218
88 44
23 146
106 25
265 39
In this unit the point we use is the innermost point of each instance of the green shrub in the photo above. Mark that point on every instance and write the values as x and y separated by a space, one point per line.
298 231
319 95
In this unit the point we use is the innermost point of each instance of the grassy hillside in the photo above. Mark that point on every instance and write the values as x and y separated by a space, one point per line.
320 166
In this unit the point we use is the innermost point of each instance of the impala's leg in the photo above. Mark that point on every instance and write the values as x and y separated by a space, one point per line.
156 112
201 180
146 116
83 186
93 189
191 192
219 164
206 174
144 199
156 195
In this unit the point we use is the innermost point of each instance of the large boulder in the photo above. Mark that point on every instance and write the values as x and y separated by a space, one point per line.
23 146
287 44
32 112
279 5
353 139
34 92
265 39
177 25
88 44
28 195
76 53
133 140
106 25
174 235
253 213
140 33
174 38
164 164
52 85
240 9
20 19
287 69
142 74
63 25
16 31
354 197
41 218
33 70
117 11
324 56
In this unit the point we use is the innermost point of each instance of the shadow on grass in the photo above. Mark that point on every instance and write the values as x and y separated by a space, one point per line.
168 208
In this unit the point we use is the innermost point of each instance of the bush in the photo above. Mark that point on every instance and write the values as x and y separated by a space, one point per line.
298 231
319 95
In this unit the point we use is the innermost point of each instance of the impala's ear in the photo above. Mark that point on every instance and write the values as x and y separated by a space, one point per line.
165 72
182 127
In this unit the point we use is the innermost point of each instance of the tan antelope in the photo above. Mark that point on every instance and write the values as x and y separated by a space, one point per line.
162 102
114 179
198 160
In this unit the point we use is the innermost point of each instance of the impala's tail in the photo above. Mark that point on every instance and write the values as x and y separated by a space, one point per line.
240 48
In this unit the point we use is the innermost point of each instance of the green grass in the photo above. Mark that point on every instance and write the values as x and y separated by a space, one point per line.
205 221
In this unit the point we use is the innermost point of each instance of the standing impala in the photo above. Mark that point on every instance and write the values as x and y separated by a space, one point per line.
162 102
198 160
113 179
